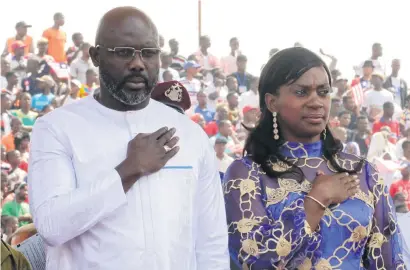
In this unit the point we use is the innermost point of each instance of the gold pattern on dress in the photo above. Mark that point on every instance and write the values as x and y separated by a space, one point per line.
306 265
276 242
247 186
250 247
367 198
245 225
359 233
280 166
283 247
323 264
377 240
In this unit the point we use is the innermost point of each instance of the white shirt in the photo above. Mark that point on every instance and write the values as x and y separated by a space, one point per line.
170 220
249 98
175 74
375 99
224 163
78 69
3 82
228 64
403 219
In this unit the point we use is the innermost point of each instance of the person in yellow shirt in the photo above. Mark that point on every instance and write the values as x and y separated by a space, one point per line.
21 35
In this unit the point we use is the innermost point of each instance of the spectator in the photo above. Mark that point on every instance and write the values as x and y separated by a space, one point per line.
202 107
205 59
18 208
21 35
22 144
81 65
223 159
5 68
46 83
251 97
376 97
361 135
8 140
398 84
233 110
178 61
228 63
5 113
18 63
25 114
403 185
16 175
74 51
387 120
29 83
243 78
56 39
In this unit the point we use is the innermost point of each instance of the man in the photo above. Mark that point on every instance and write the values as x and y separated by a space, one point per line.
251 97
192 84
25 114
18 62
166 61
79 66
228 63
39 101
379 65
376 97
21 35
74 51
178 61
5 67
403 219
5 113
56 39
202 107
205 59
18 208
398 84
243 77
151 200
223 159
387 120
362 135
29 83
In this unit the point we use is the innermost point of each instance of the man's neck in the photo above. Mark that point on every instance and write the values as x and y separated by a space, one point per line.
41 54
374 57
367 77
395 74
241 72
55 26
174 53
231 107
233 52
19 37
46 92
85 58
10 87
204 51
89 83
165 66
378 89
25 110
387 118
202 106
220 156
189 77
19 200
105 99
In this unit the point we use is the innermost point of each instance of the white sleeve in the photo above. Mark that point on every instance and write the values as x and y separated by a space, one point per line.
61 209
212 231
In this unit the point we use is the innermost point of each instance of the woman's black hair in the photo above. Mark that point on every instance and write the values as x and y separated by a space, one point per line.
284 68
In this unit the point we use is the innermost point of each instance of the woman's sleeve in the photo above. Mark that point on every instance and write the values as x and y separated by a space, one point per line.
384 249
254 238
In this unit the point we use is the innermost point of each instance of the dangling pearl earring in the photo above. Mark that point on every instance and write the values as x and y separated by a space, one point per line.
275 126
324 134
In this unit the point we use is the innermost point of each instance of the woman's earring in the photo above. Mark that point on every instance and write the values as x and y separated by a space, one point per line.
324 134
275 126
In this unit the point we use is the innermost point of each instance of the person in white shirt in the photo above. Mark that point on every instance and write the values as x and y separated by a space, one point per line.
251 97
5 67
72 93
376 97
228 63
79 66
126 182
403 219
223 159
379 65
192 85
166 61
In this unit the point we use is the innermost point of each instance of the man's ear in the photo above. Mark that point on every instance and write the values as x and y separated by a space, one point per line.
95 56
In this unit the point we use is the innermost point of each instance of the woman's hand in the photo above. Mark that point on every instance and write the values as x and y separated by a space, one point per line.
336 188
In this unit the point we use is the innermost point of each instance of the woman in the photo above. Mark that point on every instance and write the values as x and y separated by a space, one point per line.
296 201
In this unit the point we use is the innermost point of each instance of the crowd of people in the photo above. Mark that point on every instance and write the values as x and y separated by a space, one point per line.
370 113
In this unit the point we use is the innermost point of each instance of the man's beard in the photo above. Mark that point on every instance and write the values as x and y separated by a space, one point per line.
117 91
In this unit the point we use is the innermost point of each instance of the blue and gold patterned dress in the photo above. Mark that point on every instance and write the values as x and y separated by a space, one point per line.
267 221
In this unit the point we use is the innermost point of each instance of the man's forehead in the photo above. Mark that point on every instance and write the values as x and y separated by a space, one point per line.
130 31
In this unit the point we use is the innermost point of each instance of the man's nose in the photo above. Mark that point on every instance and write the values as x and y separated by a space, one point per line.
136 63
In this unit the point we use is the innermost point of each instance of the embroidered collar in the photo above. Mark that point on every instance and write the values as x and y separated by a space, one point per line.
300 150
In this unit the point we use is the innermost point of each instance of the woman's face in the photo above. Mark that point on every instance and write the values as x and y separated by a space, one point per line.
303 106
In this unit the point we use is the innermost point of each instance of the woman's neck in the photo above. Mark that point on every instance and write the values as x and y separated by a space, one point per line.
25 110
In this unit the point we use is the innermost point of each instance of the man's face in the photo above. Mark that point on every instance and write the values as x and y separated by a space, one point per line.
362 125
5 66
13 80
378 51
26 101
206 43
32 66
174 45
349 104
166 60
193 71
78 40
234 45
14 158
241 65
60 20
345 120
21 31
23 193
395 66
220 148
5 102
367 71
128 79
232 84
42 47
19 51
233 100
15 125
389 111
226 129
377 81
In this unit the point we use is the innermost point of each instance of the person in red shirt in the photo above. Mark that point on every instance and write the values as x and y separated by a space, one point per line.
402 186
387 120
